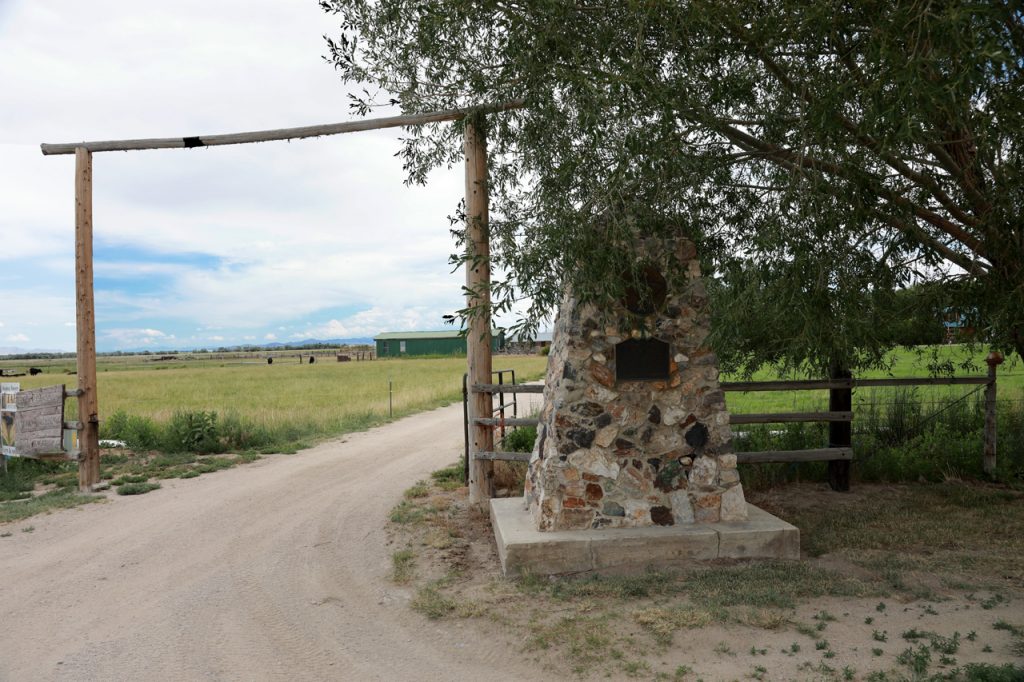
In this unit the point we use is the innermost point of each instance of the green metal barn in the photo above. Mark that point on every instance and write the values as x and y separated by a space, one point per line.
400 344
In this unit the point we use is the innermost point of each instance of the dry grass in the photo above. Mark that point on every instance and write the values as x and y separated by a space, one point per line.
954 532
883 555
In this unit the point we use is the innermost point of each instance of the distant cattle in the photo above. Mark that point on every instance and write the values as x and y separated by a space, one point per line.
311 359
34 371
270 361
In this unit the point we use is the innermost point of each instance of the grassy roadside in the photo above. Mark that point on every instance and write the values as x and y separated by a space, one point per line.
193 442
910 582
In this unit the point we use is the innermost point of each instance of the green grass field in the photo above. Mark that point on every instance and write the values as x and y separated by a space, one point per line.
183 418
312 401
329 397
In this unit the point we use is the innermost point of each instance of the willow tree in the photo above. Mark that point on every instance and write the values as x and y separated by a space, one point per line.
823 154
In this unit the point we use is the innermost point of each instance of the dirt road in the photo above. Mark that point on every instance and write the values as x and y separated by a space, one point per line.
273 570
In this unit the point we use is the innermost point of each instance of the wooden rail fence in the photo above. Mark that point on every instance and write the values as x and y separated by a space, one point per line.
839 454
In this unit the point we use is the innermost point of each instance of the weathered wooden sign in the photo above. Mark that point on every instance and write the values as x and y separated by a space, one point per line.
32 421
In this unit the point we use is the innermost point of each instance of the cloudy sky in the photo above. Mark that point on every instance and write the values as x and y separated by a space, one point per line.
205 247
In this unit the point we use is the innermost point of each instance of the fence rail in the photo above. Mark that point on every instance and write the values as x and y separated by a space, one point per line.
820 384
782 417
812 455
505 456
921 381
500 422
508 388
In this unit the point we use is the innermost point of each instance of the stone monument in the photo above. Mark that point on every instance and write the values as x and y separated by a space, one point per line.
634 429
633 466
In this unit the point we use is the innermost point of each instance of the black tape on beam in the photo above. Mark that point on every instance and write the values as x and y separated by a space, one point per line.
193 142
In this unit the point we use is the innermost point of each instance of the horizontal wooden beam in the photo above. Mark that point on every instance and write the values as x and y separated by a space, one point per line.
487 421
508 388
74 426
931 381
504 456
799 385
780 417
814 455
56 456
275 134
73 393
818 384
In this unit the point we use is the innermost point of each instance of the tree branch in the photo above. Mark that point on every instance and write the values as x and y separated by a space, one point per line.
921 180
771 151
800 163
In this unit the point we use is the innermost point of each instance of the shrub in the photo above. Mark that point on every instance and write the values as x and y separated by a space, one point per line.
521 439
138 432
193 432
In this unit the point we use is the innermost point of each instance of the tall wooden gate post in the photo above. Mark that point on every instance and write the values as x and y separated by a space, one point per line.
478 297
85 313
988 463
840 433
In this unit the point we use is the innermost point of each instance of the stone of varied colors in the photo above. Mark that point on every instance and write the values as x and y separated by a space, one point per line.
614 452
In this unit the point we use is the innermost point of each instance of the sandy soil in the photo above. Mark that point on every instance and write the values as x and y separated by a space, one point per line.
273 570
857 636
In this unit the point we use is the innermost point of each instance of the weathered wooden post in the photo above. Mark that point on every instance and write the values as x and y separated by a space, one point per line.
994 359
840 433
478 297
88 402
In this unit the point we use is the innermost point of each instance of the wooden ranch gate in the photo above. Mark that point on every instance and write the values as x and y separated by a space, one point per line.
478 277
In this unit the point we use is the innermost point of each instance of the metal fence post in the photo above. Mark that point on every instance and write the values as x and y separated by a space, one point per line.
840 434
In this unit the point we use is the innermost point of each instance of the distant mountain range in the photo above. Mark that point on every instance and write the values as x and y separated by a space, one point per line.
361 341
12 350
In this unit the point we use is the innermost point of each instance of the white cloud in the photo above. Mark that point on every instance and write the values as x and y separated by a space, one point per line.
18 338
42 310
270 337
216 338
377 319
129 338
285 231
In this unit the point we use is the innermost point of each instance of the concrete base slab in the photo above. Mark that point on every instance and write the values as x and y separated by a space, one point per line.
524 549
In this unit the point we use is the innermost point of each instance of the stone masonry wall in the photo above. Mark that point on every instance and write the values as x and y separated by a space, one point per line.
635 453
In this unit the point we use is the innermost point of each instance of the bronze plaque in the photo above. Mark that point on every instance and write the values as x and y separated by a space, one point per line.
642 360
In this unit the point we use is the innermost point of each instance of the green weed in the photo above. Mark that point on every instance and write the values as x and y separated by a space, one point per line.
431 603
137 488
408 512
57 499
421 489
